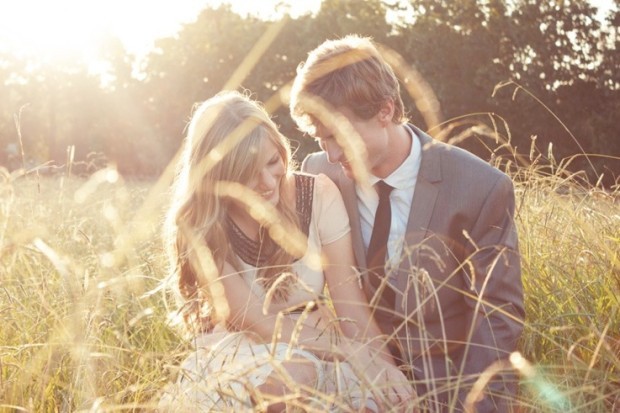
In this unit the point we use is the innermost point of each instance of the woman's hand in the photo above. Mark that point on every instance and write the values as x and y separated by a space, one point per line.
390 385
391 382
395 386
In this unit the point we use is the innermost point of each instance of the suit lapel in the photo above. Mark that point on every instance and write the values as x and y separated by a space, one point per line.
347 188
423 203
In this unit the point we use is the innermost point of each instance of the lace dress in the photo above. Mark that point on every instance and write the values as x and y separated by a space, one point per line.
225 368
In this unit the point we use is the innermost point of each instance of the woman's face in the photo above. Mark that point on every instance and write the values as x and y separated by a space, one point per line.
267 183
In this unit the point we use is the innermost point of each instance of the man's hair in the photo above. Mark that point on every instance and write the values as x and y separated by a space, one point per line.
344 73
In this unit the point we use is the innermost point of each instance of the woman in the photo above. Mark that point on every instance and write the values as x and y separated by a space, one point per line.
252 247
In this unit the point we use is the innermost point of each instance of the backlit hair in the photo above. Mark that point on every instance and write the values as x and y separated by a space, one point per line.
222 145
345 73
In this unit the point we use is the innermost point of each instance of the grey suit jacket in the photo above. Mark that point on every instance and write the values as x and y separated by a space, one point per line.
459 304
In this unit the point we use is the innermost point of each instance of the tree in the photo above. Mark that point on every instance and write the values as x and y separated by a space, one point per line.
191 67
557 62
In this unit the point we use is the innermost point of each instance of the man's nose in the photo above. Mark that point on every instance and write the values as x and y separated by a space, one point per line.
334 152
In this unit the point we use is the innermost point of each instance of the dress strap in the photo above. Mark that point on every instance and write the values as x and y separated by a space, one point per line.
258 253
305 194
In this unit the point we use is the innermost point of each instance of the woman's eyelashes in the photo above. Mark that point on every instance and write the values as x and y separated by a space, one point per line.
274 160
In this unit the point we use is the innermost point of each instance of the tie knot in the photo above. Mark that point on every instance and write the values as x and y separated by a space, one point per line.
383 189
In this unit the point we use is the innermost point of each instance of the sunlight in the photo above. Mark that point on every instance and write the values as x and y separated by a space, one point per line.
46 28
78 29
268 9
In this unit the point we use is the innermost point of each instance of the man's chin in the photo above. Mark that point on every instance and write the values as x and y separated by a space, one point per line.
348 172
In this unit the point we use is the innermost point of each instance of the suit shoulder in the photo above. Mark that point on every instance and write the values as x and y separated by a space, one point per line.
316 163
465 161
461 170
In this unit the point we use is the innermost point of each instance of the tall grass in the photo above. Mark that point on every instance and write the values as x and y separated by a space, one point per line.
81 329
79 332
570 244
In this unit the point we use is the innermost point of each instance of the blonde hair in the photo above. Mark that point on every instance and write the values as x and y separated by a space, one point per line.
222 146
349 73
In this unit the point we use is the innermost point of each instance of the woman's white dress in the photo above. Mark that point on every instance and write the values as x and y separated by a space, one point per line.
225 368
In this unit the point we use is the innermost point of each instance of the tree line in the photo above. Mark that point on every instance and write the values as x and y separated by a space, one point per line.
539 75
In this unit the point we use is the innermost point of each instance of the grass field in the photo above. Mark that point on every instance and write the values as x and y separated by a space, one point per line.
80 332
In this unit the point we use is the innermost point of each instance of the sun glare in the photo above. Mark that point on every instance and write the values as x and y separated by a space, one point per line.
52 30
48 29
72 29
76 29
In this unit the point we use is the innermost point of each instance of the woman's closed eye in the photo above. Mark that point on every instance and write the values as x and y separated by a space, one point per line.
274 160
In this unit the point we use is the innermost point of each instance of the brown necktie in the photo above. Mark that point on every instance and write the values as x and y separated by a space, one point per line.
377 248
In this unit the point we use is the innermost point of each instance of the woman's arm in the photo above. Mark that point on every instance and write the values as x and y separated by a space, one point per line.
348 296
358 324
246 314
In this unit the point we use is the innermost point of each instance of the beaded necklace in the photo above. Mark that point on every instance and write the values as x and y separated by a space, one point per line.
258 253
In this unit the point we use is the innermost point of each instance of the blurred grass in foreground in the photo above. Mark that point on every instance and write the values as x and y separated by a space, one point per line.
79 334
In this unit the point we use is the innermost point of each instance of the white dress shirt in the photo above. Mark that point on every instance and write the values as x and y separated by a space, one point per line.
403 180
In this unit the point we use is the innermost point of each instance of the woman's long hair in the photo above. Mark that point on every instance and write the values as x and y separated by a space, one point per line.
222 147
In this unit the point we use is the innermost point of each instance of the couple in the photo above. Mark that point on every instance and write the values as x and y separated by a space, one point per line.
414 240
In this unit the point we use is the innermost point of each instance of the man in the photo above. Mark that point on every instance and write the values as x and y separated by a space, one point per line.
446 283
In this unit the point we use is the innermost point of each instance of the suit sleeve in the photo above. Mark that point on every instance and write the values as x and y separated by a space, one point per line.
309 164
497 309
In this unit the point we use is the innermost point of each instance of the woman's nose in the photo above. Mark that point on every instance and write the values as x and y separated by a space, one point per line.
268 179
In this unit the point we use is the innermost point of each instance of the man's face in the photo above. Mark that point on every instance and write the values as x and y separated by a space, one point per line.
371 134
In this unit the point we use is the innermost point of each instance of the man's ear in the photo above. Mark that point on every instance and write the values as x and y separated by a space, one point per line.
386 113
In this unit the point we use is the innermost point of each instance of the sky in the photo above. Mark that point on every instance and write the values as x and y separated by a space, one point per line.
53 28
65 26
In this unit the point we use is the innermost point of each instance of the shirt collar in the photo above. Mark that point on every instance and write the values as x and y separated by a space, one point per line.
402 176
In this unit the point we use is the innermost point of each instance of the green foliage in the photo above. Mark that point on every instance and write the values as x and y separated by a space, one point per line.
79 257
569 240
78 330
136 115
